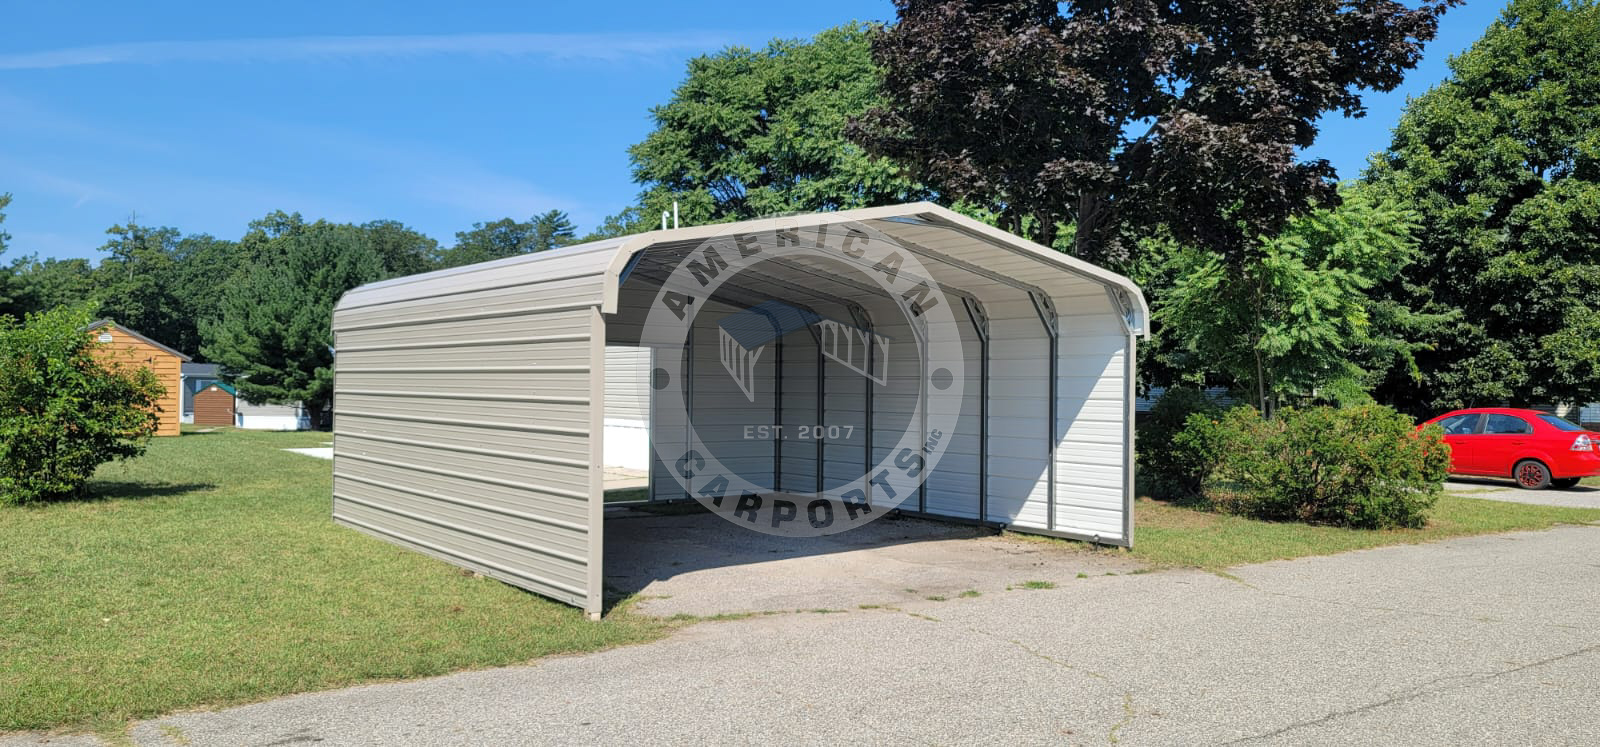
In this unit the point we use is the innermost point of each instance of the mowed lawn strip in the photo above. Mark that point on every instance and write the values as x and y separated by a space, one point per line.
1170 535
210 573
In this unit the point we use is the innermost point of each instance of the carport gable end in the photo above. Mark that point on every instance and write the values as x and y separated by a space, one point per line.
468 400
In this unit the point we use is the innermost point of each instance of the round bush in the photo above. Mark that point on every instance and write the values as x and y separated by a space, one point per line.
1363 467
1170 471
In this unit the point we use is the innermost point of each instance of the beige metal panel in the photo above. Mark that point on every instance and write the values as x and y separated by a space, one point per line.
584 260
466 419
628 383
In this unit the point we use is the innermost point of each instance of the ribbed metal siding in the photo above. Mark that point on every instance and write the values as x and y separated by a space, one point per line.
628 383
467 421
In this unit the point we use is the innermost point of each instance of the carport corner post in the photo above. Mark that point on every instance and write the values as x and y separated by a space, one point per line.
594 603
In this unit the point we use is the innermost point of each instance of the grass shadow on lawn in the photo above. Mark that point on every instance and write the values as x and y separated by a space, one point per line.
110 490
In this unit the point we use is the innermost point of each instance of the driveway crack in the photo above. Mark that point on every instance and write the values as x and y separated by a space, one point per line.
1425 688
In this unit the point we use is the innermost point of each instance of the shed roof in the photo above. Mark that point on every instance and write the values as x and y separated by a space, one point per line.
223 385
961 248
110 323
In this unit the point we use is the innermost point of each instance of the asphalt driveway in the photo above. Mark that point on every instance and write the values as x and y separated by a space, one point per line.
1582 496
1485 640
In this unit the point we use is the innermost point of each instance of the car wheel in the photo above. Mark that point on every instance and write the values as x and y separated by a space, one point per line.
1531 475
1565 483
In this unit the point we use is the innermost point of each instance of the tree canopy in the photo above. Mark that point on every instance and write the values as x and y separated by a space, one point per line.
273 334
1501 163
1299 323
1101 114
508 238
759 132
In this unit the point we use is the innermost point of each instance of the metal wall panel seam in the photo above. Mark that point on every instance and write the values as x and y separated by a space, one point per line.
533 311
539 458
551 430
474 369
469 476
526 398
464 343
463 556
442 524
465 503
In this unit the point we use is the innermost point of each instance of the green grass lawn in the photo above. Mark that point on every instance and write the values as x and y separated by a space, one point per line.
1170 535
208 572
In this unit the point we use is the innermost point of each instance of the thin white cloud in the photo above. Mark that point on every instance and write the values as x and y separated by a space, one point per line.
558 47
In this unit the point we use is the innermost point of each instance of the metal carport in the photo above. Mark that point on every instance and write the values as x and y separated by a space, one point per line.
469 402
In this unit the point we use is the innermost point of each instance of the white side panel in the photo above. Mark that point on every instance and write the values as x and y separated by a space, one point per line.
1019 424
1091 416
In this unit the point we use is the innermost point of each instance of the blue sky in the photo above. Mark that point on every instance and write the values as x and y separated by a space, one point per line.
206 116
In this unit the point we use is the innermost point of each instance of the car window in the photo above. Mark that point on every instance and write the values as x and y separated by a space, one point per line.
1560 423
1460 425
1506 424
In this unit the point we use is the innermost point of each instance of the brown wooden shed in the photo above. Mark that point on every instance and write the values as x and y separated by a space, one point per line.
215 405
130 348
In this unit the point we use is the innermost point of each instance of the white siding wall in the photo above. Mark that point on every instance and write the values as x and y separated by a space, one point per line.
1091 416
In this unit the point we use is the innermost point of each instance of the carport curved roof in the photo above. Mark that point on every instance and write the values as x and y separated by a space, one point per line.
940 237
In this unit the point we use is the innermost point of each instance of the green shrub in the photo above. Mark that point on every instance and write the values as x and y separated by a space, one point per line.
1171 471
63 410
1363 467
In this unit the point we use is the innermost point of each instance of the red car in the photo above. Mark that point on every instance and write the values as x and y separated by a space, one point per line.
1536 449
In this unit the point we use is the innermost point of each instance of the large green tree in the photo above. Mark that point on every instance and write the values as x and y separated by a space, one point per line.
1502 164
1113 116
508 238
136 285
273 334
402 250
1298 324
758 132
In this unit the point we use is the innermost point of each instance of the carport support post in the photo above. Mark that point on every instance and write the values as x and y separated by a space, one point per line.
980 323
594 602
1047 316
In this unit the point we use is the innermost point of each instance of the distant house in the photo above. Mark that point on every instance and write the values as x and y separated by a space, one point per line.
196 377
127 347
201 378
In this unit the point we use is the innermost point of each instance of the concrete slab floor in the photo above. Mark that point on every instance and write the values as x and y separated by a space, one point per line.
702 564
